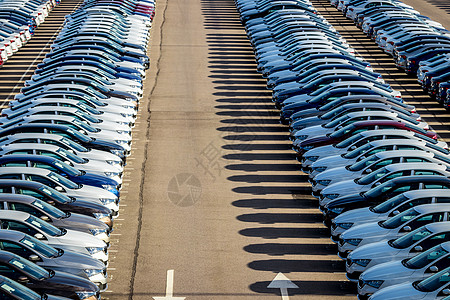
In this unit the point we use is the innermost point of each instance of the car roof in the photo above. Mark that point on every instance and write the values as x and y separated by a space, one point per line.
414 194
12 235
432 207
438 227
22 170
30 157
17 198
14 215
414 166
399 153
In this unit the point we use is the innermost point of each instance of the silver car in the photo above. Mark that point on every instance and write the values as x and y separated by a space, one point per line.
378 177
393 227
412 269
389 140
373 163
404 247
387 209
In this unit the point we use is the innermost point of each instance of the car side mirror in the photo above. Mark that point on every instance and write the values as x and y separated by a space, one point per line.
418 248
396 212
352 147
407 228
434 269
367 171
23 279
377 183
446 291
51 202
45 218
33 257
39 236
58 188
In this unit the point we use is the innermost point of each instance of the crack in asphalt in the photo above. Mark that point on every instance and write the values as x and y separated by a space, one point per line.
144 162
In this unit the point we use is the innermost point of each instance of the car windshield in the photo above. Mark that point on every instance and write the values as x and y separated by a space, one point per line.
40 247
88 108
349 141
421 260
389 204
86 116
409 239
399 219
336 121
357 151
49 209
66 168
32 269
363 163
73 145
18 291
44 226
63 181
63 199
372 176
378 190
84 125
342 131
78 135
69 155
434 282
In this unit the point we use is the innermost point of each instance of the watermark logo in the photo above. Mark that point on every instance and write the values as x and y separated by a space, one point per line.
184 189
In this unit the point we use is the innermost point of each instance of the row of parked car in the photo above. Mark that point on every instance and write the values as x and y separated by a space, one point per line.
64 140
18 20
417 44
380 175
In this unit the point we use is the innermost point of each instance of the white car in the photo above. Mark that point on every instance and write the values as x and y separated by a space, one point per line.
386 209
404 247
412 269
65 239
394 227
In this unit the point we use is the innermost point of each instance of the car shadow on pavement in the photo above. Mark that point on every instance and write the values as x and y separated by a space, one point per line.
272 193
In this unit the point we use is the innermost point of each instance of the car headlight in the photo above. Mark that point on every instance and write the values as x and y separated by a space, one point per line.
337 210
98 231
109 187
301 137
93 250
106 201
306 148
319 169
324 182
354 242
112 163
331 196
100 216
86 295
312 158
92 272
362 262
112 174
119 153
122 132
344 225
374 283
121 142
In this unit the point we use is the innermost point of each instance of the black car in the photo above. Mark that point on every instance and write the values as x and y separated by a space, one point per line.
9 289
46 281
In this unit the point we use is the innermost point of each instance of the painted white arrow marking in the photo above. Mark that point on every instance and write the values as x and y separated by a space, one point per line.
283 283
169 288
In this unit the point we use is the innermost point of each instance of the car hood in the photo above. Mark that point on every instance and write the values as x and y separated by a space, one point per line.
71 259
91 192
358 216
398 292
79 221
336 174
313 131
94 179
77 238
386 271
62 280
375 250
368 230
332 161
344 188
